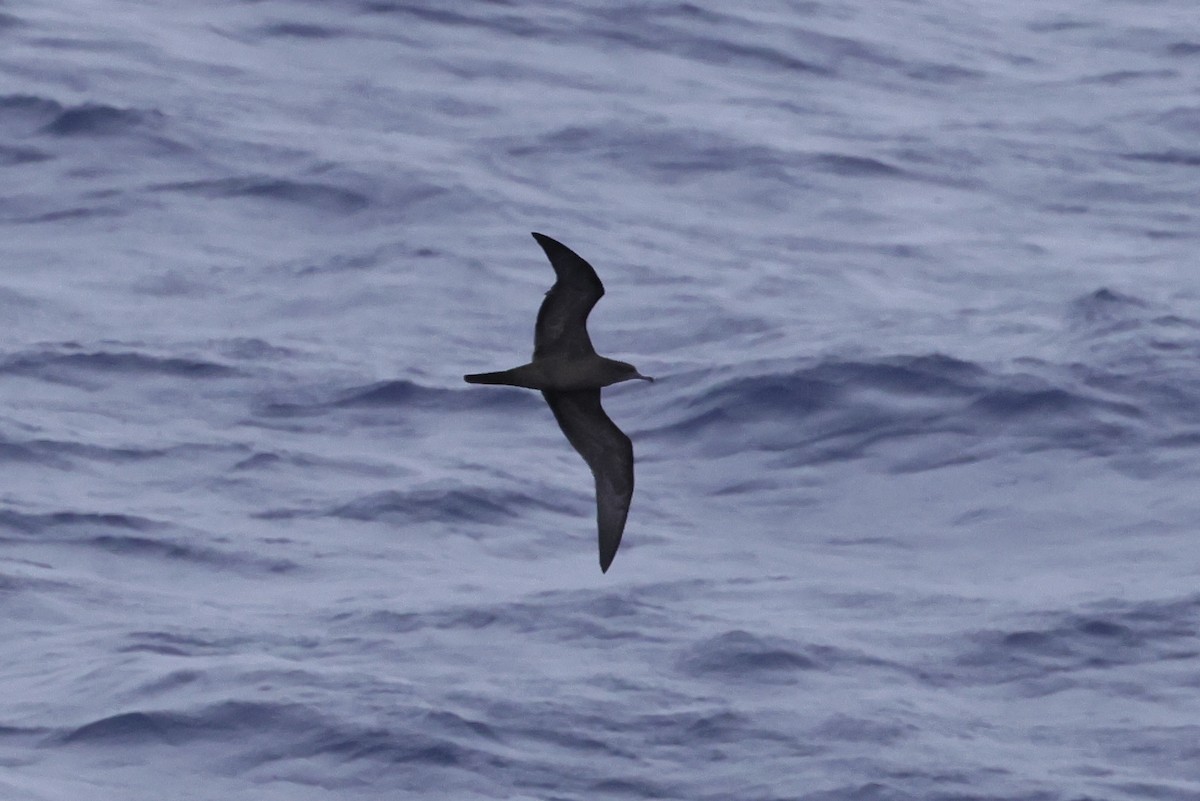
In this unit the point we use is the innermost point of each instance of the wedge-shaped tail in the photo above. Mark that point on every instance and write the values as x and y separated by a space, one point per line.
501 377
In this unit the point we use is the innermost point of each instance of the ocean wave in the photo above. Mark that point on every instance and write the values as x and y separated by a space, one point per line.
477 505
837 409
269 731
177 728
319 196
422 505
300 30
741 656
1072 647
568 616
175 643
40 523
25 114
389 395
11 156
97 119
59 362
128 535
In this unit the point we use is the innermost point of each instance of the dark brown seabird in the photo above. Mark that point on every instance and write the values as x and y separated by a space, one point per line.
569 372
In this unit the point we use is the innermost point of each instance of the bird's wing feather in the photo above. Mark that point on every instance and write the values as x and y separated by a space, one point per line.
609 454
561 328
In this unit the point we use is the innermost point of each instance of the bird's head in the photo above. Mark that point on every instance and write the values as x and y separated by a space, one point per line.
623 371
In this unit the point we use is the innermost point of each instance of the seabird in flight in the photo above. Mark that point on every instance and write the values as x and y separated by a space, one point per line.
570 374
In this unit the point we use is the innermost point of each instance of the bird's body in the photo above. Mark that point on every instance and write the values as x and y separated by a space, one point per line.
570 374
558 374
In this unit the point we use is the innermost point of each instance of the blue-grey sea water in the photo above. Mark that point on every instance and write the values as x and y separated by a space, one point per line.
916 514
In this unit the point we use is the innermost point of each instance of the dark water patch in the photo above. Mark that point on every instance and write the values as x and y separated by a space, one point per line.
23 452
21 731
8 21
165 549
712 730
11 583
420 506
1105 307
269 460
130 536
1176 158
51 363
459 726
674 28
556 726
397 394
340 263
741 656
94 119
176 644
326 198
878 791
1155 791
692 727
12 156
944 411
1183 49
323 197
725 52
300 30
826 384
25 114
252 349
259 461
39 523
168 682
675 11
215 722
582 617
74 213
398 746
1043 402
1188 439
468 619
674 155
400 393
446 505
128 455
827 390
636 788
933 374
847 728
854 166
391 747
1118 77
1059 24
1110 635
443 16
125 729
943 74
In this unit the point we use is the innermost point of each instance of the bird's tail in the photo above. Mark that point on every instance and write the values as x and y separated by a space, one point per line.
502 377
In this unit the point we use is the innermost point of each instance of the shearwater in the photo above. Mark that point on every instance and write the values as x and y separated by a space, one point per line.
570 375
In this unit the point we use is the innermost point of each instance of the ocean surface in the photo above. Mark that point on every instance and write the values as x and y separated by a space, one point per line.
917 513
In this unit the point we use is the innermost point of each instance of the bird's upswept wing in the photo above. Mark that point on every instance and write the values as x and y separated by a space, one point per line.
607 451
562 320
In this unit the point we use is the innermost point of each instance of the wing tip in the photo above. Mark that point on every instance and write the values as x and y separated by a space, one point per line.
608 552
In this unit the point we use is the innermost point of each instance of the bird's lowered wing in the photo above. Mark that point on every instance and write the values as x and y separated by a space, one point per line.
607 451
562 320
